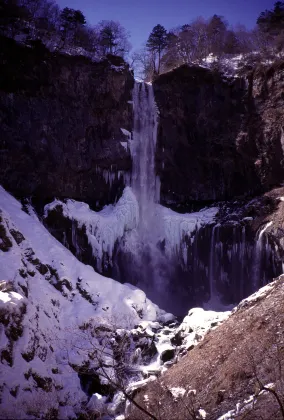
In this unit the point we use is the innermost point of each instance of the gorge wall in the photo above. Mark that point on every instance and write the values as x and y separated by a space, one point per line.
67 129
61 118
219 138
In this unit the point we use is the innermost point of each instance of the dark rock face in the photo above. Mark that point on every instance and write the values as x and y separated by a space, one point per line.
61 119
218 138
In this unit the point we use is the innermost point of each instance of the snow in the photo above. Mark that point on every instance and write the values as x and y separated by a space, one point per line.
244 406
264 229
52 314
197 322
178 226
177 392
12 297
126 132
124 144
282 140
262 292
103 228
202 413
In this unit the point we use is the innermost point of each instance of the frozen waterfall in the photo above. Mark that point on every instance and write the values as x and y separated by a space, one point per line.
178 260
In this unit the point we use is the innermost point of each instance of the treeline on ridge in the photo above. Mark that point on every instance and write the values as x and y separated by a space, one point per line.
66 30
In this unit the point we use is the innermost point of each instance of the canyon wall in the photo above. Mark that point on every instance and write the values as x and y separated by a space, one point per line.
219 137
61 118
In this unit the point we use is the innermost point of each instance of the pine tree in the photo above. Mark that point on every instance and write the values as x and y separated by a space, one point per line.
71 21
113 38
272 21
216 33
157 43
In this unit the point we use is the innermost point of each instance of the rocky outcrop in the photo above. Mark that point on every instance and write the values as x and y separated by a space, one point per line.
219 138
61 118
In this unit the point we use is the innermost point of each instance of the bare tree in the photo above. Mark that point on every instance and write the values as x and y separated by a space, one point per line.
143 61
110 357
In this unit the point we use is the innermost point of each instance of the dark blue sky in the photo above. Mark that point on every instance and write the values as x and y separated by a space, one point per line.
140 16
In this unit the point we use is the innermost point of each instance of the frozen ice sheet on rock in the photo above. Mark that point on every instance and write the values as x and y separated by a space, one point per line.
103 228
178 226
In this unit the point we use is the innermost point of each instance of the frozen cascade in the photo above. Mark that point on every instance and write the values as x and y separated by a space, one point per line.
142 245
179 260
261 251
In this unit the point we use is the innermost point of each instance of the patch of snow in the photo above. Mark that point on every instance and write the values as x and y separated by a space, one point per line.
177 392
126 132
124 144
262 292
12 297
202 413
244 406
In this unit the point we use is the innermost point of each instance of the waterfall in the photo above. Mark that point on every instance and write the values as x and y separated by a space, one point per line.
182 260
178 260
145 184
146 264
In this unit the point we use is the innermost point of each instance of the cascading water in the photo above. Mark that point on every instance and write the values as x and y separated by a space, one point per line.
148 266
144 181
179 260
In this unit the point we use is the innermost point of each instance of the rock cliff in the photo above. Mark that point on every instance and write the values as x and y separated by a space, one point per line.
61 118
218 137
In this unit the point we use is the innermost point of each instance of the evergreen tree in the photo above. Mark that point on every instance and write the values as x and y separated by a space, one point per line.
113 38
216 33
71 21
272 21
108 41
157 43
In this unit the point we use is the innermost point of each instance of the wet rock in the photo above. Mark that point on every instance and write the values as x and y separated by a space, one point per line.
167 355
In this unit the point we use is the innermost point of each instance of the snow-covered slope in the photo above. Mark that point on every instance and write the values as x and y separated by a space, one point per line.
46 295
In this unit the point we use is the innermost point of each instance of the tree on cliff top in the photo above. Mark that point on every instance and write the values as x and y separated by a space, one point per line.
272 21
156 44
71 22
271 24
113 38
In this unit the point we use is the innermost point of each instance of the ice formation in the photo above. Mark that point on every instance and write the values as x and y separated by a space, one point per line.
221 261
103 228
52 294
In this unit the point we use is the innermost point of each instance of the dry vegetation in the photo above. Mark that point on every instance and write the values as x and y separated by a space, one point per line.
233 362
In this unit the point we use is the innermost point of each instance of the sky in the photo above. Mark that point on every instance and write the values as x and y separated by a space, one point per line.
140 16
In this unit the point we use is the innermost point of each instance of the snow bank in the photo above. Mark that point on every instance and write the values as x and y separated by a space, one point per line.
61 294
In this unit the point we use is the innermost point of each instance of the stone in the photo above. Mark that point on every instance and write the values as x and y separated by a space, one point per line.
61 118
